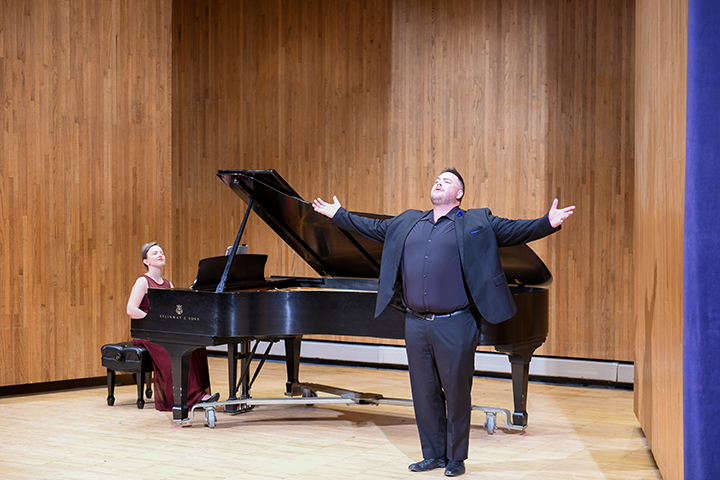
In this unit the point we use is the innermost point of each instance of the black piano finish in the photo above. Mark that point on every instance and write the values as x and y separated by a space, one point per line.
331 252
191 317
181 320
266 314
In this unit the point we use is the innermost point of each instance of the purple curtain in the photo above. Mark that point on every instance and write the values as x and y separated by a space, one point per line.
701 336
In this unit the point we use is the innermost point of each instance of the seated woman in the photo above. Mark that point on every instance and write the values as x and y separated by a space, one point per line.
137 307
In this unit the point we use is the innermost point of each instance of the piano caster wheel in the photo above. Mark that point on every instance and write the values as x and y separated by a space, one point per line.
111 401
490 422
140 403
307 393
210 417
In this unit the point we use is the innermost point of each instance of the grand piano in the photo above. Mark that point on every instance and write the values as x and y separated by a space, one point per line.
233 303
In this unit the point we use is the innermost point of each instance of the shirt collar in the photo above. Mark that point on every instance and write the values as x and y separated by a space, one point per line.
449 215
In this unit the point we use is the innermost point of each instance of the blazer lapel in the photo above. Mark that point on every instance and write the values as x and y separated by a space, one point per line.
460 233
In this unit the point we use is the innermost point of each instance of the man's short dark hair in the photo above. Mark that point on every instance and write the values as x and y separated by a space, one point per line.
454 171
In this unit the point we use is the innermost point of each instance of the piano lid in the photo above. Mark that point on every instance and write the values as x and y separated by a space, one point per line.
333 252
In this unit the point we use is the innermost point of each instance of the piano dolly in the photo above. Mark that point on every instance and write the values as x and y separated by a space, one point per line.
345 397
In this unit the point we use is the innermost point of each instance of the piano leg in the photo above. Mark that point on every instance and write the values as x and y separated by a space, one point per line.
292 363
520 367
180 359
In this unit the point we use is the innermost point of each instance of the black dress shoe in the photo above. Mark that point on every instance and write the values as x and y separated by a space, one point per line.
427 464
455 468
212 399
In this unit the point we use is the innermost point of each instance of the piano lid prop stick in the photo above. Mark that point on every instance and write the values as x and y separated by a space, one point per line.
221 285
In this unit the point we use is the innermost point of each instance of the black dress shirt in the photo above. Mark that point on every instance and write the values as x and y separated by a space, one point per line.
432 273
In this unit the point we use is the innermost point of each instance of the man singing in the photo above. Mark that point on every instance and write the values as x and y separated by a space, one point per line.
446 265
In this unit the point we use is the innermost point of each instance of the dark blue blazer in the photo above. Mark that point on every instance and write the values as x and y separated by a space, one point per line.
479 234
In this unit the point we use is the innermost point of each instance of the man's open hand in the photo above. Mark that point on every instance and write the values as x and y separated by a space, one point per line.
558 215
327 209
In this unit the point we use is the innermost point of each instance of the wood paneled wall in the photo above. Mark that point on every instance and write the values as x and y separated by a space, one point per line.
116 115
369 100
532 100
591 161
85 176
302 87
662 31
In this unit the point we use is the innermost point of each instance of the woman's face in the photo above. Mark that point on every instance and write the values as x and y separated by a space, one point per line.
155 257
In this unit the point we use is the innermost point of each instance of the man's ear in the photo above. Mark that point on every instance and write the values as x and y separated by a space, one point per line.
459 195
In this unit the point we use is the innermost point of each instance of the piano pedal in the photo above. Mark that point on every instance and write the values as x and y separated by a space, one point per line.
243 408
234 405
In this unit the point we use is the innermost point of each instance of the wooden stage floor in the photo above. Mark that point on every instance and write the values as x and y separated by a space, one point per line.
573 433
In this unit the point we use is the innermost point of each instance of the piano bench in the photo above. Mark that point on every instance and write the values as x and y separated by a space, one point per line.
129 358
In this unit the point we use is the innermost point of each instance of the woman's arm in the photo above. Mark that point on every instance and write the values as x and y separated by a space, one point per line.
136 295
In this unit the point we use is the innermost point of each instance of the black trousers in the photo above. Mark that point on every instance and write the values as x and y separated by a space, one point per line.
441 361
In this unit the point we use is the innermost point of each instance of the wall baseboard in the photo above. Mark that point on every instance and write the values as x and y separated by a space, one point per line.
485 362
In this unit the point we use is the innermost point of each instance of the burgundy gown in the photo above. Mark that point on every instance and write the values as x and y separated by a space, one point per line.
198 378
